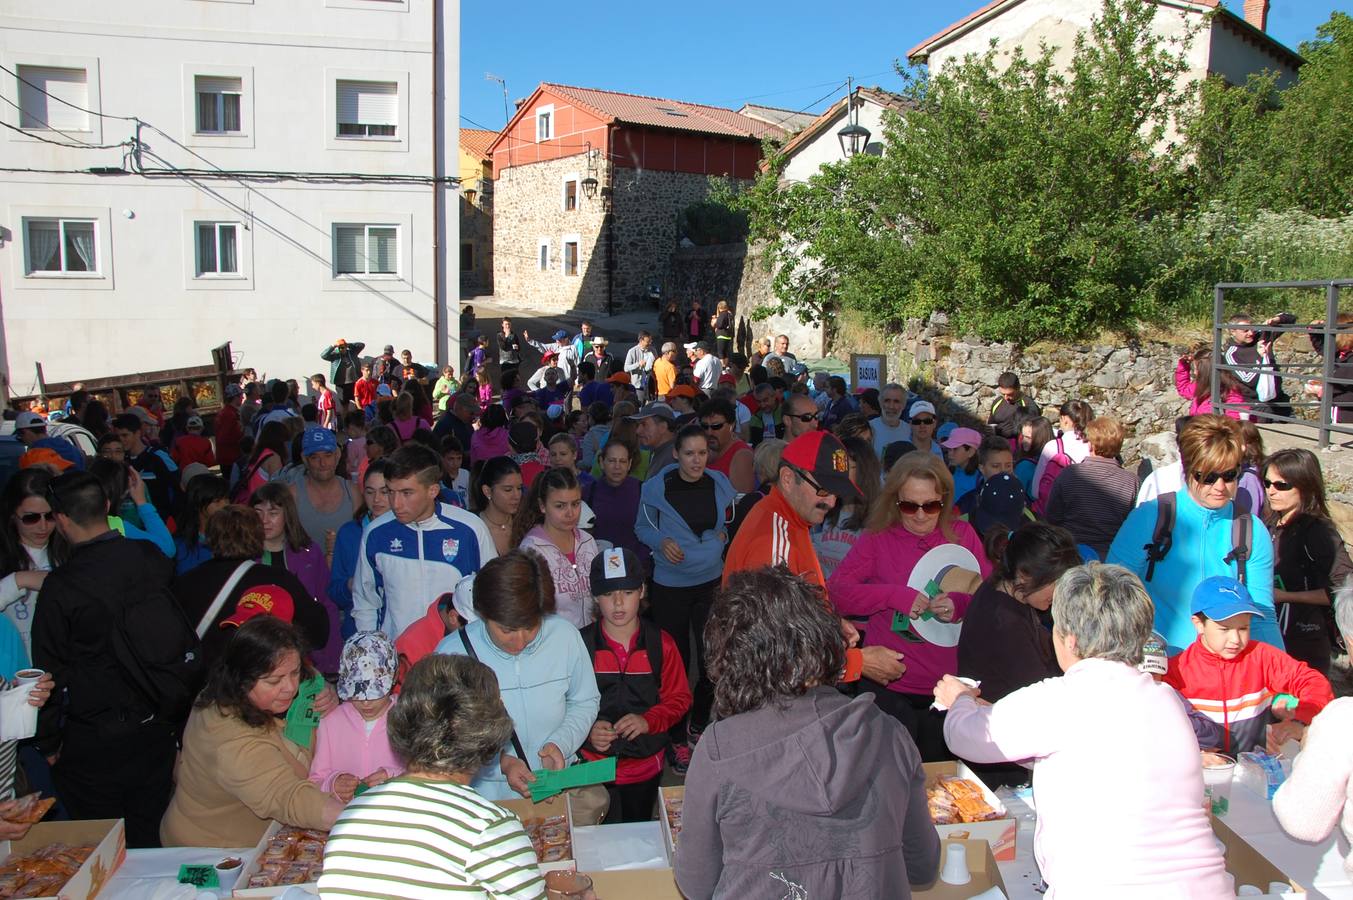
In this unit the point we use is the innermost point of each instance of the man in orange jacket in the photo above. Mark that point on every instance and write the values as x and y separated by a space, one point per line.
814 473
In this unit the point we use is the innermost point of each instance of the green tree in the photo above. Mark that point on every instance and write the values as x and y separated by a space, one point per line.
1028 201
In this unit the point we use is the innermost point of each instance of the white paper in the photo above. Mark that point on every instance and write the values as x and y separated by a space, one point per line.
633 845
18 720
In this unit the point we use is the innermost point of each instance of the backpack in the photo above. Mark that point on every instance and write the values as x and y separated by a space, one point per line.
158 650
1162 539
1043 490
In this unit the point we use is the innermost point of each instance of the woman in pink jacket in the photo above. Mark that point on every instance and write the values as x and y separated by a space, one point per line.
1117 778
913 572
547 523
352 747
1193 381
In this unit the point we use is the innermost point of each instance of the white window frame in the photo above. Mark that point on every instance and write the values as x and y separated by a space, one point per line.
576 241
244 138
383 284
218 230
99 280
541 111
10 86
375 5
577 192
241 280
399 143
543 244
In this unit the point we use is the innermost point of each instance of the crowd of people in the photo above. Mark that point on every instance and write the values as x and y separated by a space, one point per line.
376 606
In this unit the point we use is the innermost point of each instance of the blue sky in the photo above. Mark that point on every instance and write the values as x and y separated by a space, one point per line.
792 54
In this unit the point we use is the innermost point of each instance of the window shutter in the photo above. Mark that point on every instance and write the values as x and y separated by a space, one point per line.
207 84
348 241
382 255
368 103
39 110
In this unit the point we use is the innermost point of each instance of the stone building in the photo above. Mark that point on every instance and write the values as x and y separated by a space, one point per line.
476 212
588 185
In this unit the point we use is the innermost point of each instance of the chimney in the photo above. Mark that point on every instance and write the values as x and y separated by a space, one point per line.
1256 13
521 100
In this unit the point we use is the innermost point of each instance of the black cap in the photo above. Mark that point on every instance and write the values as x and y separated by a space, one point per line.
1000 501
616 569
523 436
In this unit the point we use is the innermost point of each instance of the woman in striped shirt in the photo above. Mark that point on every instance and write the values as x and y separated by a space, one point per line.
427 834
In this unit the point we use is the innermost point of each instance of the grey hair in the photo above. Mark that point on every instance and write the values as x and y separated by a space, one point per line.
450 717
766 460
1343 605
894 386
1106 609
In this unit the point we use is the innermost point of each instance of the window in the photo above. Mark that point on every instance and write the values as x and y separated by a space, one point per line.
48 97
467 257
570 257
218 104
368 109
216 249
61 245
366 250
543 255
570 194
545 123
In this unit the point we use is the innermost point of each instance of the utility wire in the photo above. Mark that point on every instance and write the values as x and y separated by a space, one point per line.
48 126
38 137
91 112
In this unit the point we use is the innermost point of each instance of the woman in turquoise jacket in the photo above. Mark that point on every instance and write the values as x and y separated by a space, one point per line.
1202 538
684 512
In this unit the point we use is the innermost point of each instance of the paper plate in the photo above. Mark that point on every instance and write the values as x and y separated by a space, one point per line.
953 568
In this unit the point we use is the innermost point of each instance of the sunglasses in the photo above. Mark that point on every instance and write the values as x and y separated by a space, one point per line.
1211 478
1278 485
35 518
804 477
804 417
712 426
925 421
930 507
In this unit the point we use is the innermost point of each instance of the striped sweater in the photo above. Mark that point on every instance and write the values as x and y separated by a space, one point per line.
423 840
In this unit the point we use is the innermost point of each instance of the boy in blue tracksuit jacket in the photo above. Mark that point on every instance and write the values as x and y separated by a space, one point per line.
1202 539
658 519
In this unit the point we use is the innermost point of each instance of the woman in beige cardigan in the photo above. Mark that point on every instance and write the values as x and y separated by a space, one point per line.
237 772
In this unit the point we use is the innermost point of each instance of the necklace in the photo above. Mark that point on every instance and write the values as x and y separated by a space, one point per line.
502 527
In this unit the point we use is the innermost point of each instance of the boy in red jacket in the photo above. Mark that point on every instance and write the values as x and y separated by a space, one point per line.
191 447
1235 682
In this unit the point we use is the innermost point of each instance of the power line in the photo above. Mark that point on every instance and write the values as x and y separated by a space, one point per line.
48 126
90 112
38 137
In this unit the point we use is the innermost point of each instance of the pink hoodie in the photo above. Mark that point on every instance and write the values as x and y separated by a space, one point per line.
1117 782
342 746
1184 384
871 581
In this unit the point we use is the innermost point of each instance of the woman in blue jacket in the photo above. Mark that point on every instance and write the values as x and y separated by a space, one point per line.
348 543
684 512
1202 539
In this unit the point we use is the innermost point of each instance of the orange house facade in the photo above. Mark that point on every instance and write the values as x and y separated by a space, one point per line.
589 185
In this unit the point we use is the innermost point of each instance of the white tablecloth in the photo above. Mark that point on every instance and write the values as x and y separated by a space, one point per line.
153 874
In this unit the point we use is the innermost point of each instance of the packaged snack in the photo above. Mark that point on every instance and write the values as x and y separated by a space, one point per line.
294 874
30 808
952 800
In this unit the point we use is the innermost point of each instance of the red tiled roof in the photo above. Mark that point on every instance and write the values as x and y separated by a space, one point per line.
921 50
476 141
657 112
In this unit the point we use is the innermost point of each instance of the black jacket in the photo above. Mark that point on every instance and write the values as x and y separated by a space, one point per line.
1005 415
72 629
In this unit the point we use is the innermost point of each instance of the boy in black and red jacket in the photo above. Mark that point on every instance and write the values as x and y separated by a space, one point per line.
642 680
1235 682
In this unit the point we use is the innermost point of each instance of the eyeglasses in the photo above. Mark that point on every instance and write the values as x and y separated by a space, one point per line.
930 507
1278 485
804 477
34 518
925 421
1211 478
712 426
803 417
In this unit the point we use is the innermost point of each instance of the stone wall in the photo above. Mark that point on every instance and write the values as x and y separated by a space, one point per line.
1133 382
476 229
528 209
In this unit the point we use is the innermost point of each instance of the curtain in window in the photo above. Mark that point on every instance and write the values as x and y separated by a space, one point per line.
206 112
206 249
231 108
80 247
44 247
348 241
382 251
227 235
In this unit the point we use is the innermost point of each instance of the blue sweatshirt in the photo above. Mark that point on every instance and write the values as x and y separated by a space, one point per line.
549 690
658 519
347 547
1202 540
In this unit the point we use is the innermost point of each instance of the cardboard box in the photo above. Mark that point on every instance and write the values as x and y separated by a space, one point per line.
677 791
557 805
982 866
1000 833
108 837
1245 863
253 863
649 884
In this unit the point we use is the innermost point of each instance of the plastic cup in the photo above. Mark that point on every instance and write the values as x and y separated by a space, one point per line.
28 676
955 869
565 884
1218 772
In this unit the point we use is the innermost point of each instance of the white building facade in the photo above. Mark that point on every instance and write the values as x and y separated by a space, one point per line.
175 174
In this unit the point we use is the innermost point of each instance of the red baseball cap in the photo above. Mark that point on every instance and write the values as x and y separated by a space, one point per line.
822 456
262 600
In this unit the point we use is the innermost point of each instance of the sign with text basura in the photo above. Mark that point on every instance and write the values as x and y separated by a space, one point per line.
868 371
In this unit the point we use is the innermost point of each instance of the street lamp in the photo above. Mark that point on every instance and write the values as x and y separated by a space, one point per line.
589 185
854 137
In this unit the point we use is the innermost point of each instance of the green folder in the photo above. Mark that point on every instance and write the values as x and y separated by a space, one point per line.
302 720
201 877
554 781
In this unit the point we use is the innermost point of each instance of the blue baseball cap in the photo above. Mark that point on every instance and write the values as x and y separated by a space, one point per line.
384 391
1221 597
318 440
559 335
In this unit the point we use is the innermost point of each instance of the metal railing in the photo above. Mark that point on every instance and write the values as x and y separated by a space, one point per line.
1321 374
